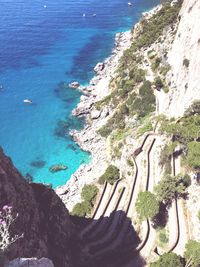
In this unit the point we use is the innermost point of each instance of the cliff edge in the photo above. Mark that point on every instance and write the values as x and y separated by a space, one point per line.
42 218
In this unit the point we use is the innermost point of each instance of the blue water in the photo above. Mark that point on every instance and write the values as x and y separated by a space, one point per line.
40 48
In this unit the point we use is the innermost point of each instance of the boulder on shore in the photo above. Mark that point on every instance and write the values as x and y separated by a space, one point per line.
95 114
99 67
58 167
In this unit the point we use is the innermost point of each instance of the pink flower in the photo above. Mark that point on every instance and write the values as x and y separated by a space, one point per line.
5 207
2 222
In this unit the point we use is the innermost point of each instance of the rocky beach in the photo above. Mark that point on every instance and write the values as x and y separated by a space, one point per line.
88 138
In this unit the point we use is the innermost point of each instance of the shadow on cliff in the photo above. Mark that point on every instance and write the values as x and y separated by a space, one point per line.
109 241
49 231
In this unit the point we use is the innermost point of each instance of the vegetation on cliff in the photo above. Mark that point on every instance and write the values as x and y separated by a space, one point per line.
185 133
88 194
171 187
147 205
111 175
191 257
168 260
192 254
132 94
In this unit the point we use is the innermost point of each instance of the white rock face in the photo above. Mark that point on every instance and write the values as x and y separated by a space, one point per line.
33 262
185 81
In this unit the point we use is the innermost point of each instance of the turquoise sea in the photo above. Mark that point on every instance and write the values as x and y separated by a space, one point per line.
44 43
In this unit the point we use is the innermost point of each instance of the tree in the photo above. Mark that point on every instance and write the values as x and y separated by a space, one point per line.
170 187
193 109
89 193
168 260
111 175
147 206
81 209
193 155
192 253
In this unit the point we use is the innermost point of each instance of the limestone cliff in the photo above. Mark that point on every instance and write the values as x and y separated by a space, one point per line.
184 59
43 218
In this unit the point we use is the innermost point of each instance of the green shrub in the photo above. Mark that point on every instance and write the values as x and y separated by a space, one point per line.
147 205
168 260
192 254
116 122
163 237
156 63
105 130
81 209
193 155
89 193
158 83
170 187
130 162
144 103
166 89
151 54
145 128
164 69
111 175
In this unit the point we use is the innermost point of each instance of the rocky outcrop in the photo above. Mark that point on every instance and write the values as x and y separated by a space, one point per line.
99 67
58 167
42 218
74 85
184 59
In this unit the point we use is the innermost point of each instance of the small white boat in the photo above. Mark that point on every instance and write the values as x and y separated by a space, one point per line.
130 4
45 6
83 14
94 15
28 101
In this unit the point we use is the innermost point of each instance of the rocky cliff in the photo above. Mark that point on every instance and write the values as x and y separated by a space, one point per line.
43 218
184 59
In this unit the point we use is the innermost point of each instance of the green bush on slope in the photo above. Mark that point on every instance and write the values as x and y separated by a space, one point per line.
147 205
186 132
111 175
88 194
168 260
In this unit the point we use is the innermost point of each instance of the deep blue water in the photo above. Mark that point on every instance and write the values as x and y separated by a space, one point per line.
40 48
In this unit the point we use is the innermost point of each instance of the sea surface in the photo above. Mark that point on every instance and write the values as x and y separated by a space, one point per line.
44 45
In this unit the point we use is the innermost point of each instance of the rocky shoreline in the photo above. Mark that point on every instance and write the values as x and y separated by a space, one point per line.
87 138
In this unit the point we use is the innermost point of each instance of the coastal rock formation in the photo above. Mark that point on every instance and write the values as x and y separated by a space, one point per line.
99 67
184 59
74 85
42 218
88 139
